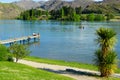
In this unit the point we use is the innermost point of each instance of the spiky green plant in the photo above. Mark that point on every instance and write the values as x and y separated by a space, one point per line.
105 57
106 39
107 64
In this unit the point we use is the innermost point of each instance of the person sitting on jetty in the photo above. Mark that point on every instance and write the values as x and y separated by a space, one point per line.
34 34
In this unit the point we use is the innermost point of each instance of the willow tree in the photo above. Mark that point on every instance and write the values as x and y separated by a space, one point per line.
106 56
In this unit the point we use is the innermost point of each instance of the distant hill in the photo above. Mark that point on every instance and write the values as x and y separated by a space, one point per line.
12 10
88 6
106 6
9 11
27 4
111 1
57 4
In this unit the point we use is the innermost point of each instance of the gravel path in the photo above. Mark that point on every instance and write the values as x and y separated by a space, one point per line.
75 73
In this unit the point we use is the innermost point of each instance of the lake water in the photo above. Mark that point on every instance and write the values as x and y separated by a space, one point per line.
59 40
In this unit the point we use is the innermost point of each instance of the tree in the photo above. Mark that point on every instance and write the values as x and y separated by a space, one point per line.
109 16
99 17
47 14
105 57
62 13
19 51
5 54
91 17
76 17
32 14
78 10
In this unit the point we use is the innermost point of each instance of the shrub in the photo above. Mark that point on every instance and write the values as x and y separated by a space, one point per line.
99 17
19 51
91 17
5 55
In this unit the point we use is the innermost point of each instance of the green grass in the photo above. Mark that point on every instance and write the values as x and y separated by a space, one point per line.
65 63
110 78
15 71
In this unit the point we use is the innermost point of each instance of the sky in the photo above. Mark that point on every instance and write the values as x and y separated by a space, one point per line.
8 1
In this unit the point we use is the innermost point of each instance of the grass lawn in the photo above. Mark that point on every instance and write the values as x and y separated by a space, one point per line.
15 71
65 63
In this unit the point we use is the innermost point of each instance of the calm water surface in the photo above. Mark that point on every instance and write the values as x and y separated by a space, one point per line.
59 40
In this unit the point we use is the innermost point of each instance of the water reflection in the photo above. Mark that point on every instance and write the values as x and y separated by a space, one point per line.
36 43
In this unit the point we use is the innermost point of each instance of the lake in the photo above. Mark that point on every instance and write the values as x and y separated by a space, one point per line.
59 40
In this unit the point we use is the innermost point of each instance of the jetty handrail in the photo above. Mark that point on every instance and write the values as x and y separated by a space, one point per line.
19 39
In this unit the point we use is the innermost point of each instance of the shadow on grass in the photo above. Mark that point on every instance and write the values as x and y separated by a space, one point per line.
82 73
55 71
72 71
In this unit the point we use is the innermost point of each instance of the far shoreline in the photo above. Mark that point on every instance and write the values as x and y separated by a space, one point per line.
115 20
111 20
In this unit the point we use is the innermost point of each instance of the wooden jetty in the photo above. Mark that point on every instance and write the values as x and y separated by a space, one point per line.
21 39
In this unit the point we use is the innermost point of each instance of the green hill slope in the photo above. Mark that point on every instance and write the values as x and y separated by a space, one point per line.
9 11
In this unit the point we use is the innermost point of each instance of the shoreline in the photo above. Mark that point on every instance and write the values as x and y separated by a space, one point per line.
76 74
115 20
65 63
72 72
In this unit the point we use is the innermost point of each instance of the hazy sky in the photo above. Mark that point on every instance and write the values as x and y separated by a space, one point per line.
7 1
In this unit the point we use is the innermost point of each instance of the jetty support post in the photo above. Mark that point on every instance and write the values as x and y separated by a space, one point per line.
24 41
34 39
20 41
10 44
28 39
